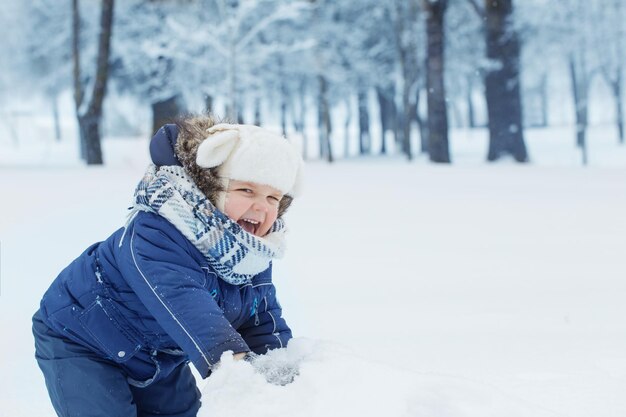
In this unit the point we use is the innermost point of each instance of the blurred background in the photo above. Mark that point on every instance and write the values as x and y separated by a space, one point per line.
437 80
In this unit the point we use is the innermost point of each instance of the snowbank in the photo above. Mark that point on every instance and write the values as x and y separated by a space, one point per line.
332 381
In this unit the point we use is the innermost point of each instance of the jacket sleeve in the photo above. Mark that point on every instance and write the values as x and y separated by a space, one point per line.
170 283
266 329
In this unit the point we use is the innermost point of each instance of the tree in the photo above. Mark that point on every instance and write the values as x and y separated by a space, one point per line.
285 72
608 47
48 57
565 34
357 69
404 15
465 52
89 111
11 41
574 24
435 86
151 62
229 36
382 55
325 25
502 81
355 55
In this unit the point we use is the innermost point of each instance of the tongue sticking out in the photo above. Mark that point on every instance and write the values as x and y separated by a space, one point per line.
247 226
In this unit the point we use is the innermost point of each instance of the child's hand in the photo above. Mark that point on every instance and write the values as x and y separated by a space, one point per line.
275 372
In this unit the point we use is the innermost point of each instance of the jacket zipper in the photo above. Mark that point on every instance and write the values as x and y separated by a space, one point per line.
255 311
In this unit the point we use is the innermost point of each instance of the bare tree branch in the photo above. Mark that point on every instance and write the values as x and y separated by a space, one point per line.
78 88
289 11
202 36
479 10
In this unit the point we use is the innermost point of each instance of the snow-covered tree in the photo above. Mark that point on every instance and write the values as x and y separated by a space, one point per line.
502 80
409 41
438 149
609 51
465 61
229 36
48 53
573 23
11 65
149 58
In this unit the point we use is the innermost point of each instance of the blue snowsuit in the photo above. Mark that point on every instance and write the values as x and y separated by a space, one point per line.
136 308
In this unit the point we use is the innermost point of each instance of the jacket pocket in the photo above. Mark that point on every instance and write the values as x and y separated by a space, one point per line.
110 330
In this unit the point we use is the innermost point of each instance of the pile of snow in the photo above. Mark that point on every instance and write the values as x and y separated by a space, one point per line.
330 380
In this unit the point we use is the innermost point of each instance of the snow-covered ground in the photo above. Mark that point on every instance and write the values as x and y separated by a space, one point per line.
413 289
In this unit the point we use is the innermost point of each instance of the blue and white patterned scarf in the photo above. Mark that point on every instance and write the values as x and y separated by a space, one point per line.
236 255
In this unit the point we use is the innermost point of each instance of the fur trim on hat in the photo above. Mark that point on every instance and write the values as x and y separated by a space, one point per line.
192 132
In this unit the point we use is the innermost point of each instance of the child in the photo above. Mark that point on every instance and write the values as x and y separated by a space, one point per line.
187 279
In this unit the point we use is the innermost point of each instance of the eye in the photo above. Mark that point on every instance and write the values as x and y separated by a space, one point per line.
244 190
274 199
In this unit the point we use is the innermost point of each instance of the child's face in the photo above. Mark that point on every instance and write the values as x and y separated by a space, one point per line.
253 206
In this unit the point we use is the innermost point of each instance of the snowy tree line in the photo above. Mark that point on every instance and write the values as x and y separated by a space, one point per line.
395 63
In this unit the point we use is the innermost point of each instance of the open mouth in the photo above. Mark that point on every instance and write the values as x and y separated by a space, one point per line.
249 225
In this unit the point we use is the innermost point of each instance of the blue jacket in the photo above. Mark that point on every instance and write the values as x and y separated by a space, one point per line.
153 302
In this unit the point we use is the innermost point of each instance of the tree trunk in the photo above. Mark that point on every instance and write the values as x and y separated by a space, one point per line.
324 120
298 116
55 116
405 118
436 93
389 115
89 120
456 119
617 81
208 103
78 86
471 112
166 111
406 16
408 109
502 84
543 91
580 91
399 125
231 107
320 124
284 96
421 124
283 108
346 128
89 125
384 110
365 141
257 112
616 86
239 112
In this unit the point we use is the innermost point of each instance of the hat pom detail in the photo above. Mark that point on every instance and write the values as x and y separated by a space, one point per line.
216 148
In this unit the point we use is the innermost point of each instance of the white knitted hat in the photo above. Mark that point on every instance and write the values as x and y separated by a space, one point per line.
250 153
